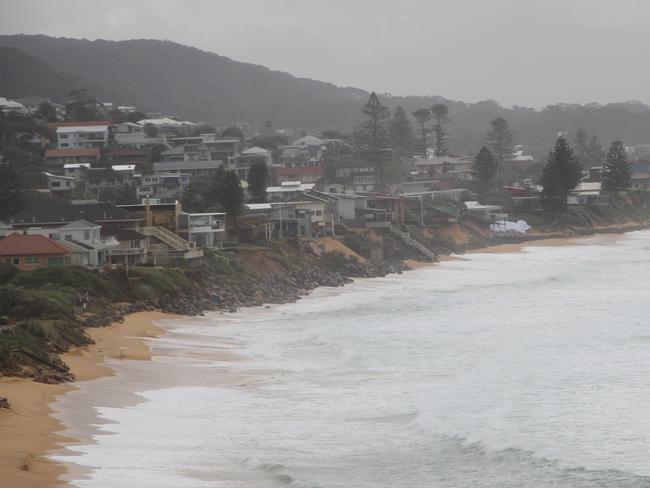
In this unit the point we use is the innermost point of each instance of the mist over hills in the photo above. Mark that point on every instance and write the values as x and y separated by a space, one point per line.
175 79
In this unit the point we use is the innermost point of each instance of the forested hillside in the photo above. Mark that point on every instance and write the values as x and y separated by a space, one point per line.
171 78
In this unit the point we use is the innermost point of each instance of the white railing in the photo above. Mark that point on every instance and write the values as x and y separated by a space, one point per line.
168 237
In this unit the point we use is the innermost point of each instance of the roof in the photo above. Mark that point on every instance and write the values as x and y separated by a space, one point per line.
257 150
78 224
85 123
54 214
6 102
123 167
291 186
164 121
62 153
82 128
309 141
33 244
186 165
76 165
93 174
60 177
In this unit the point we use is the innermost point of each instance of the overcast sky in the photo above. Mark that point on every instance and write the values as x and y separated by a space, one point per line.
517 52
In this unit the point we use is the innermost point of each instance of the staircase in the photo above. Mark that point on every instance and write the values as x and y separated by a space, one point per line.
168 238
406 237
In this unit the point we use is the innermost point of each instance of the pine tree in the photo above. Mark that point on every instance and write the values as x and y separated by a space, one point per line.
258 176
561 174
440 113
500 140
422 116
401 131
616 174
372 136
484 169
581 144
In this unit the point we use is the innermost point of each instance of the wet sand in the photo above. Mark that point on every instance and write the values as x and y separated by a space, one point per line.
28 431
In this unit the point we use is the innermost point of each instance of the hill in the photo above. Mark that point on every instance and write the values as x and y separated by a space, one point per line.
168 77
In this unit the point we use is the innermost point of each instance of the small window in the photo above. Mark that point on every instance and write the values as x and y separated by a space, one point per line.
136 244
32 260
319 213
63 136
55 184
14 261
65 144
86 235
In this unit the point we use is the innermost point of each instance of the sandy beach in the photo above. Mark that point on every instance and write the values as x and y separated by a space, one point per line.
29 431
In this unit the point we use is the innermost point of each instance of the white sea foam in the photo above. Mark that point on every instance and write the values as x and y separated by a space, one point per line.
516 370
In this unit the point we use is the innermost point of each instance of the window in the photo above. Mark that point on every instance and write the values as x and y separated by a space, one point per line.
14 261
32 260
86 235
63 136
65 144
136 244
55 184
55 261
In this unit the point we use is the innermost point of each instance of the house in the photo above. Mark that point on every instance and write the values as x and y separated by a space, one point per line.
360 176
460 168
29 252
82 136
75 170
275 219
163 185
394 207
288 189
8 106
514 203
313 215
640 175
132 247
305 174
309 140
206 229
57 158
59 183
247 158
587 193
342 207
206 147
192 168
83 240
126 155
133 135
98 179
57 215
154 213
489 212
168 125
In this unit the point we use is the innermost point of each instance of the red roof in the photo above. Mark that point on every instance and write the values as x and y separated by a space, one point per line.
300 170
81 151
26 245
85 123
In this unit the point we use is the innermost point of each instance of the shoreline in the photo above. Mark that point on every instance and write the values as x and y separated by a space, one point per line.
31 432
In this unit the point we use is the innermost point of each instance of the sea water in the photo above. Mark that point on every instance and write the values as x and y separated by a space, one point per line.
526 369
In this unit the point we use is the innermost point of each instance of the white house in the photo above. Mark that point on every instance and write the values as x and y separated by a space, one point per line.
288 189
75 170
58 183
12 106
82 136
309 141
484 211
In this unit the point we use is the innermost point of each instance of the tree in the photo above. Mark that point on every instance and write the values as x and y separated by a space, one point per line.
581 144
500 140
422 116
258 176
232 196
561 174
212 194
440 113
595 153
484 168
616 174
150 130
203 129
46 111
14 193
372 133
232 131
401 131
192 201
81 106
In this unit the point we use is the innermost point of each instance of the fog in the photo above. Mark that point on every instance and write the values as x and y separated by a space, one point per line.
517 52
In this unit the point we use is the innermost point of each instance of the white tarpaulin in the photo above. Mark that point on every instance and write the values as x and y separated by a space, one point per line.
506 227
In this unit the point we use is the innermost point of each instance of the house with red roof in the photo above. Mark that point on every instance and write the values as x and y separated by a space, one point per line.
59 157
29 252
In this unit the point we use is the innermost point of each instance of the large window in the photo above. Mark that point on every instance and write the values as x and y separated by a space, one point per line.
55 261
32 260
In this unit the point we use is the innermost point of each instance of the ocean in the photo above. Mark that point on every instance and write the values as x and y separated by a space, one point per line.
524 369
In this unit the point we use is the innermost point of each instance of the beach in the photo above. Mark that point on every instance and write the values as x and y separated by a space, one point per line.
32 429
30 432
